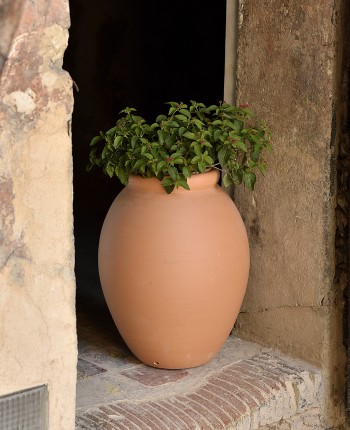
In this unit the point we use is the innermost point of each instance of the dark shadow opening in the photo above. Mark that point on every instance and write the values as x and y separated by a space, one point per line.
139 54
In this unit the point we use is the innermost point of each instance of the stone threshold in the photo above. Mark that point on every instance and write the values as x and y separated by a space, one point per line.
245 387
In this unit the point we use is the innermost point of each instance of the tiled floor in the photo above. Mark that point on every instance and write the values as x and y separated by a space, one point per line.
246 386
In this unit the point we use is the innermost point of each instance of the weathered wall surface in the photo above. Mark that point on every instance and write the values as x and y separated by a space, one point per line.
37 313
288 67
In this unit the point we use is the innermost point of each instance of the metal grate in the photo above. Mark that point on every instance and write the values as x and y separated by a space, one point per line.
25 410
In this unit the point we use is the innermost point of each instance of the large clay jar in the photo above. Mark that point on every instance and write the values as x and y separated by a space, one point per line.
174 269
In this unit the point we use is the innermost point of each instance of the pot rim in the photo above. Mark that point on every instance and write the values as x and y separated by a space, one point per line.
196 182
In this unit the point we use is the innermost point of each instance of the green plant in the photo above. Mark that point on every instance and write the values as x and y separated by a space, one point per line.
189 139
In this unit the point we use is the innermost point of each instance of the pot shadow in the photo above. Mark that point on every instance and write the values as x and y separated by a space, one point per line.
95 327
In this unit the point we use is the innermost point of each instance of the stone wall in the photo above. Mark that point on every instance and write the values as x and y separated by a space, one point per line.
289 70
37 315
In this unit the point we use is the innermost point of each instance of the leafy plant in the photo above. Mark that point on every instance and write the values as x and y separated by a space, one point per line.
189 139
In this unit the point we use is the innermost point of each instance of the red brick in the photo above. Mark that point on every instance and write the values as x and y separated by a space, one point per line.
164 418
207 402
86 369
152 377
237 406
172 413
267 363
273 362
132 413
241 384
253 375
98 420
141 413
129 415
209 415
262 367
178 409
201 419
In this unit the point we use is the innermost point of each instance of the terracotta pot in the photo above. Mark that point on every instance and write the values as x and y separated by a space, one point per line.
174 269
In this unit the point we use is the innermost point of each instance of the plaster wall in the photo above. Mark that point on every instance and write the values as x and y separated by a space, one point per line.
288 70
37 290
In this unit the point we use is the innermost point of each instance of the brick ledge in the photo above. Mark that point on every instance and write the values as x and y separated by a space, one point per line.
263 390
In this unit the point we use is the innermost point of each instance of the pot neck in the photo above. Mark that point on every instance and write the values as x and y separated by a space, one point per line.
197 182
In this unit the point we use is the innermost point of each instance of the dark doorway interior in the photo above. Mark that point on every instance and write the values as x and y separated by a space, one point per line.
139 54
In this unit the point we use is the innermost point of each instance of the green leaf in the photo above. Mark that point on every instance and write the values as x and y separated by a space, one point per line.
117 140
206 143
249 180
178 160
169 189
96 139
160 165
173 172
182 183
160 136
181 117
128 110
168 185
153 126
161 118
112 130
137 119
197 148
239 144
186 172
181 131
110 169
227 180
230 124
223 156
262 167
185 112
195 159
123 177
236 176
167 181
139 164
208 159
198 123
211 108
217 134
190 135
202 166
105 152
254 156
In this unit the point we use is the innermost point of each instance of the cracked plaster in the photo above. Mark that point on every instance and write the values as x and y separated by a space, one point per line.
37 313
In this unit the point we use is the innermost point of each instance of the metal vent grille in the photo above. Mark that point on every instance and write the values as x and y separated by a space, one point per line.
25 410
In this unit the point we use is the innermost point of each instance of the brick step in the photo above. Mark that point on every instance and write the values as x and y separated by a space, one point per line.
246 387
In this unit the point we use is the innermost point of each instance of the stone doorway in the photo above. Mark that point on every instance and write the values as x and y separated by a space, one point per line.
290 66
142 55
138 54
